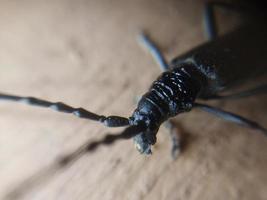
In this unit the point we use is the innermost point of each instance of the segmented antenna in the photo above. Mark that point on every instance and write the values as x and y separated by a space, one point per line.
107 140
110 121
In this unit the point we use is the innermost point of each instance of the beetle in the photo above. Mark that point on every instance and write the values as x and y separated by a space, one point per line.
201 73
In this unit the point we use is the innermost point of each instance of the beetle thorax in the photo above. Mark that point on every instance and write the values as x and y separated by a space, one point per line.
173 92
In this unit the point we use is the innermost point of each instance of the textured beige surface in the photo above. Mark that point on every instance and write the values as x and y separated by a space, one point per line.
85 53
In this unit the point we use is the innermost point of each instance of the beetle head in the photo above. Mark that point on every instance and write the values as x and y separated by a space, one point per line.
144 140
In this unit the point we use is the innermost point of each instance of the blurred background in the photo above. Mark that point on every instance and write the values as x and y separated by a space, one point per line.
85 53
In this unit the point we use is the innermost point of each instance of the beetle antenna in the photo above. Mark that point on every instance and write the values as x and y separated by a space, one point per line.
108 139
109 121
44 175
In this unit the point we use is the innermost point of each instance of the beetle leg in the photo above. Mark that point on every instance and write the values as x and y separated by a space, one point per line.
209 21
228 116
154 51
210 27
262 89
175 136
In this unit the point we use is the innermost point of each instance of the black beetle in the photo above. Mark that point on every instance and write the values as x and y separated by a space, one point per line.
201 73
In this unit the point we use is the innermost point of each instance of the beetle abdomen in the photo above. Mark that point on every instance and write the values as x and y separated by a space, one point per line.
230 59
